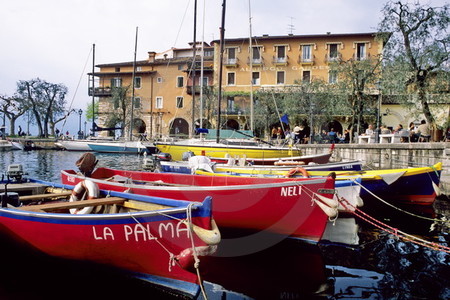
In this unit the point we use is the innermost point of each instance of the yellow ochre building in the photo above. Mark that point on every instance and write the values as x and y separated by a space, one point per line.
164 90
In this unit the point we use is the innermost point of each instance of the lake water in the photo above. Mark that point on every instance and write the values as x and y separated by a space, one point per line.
381 266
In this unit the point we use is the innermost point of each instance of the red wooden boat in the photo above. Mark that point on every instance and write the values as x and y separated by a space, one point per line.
283 207
146 237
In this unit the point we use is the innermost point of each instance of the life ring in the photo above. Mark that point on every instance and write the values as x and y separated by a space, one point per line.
294 171
78 193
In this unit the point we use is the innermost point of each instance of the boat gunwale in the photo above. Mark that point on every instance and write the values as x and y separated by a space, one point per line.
309 181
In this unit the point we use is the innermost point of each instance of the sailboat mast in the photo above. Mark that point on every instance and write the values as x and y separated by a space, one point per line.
130 136
251 66
202 54
222 37
194 48
93 90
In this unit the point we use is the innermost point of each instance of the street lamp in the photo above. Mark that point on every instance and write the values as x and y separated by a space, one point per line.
80 112
84 134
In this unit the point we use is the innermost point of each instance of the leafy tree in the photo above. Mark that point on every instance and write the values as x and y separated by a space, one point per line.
90 112
120 108
355 77
13 107
46 101
417 55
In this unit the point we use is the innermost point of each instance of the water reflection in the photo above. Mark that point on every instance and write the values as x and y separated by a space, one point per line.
380 267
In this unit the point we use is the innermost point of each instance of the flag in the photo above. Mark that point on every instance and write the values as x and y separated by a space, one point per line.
285 119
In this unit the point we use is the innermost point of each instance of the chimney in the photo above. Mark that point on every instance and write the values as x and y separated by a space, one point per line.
151 56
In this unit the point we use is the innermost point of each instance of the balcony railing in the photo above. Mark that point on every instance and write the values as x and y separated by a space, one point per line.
100 92
255 61
280 60
333 58
306 60
190 88
230 62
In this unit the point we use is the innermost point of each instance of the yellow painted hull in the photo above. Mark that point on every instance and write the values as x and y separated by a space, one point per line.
177 150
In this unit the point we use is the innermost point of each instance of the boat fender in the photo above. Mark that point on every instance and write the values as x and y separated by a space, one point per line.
185 258
78 192
296 170
333 203
330 212
210 237
436 188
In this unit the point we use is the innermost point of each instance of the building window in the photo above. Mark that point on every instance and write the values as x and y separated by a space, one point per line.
180 102
137 102
205 81
139 69
256 53
159 103
280 77
230 104
209 53
180 81
159 80
281 54
333 52
117 69
306 76
180 67
231 55
332 77
360 51
231 78
116 82
256 78
306 53
137 82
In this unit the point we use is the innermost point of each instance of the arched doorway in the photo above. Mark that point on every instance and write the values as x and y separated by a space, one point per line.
333 124
179 126
232 124
139 126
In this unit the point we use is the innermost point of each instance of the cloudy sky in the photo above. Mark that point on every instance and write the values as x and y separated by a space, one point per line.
52 39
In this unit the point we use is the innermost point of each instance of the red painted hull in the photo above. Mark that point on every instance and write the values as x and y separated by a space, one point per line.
140 243
284 207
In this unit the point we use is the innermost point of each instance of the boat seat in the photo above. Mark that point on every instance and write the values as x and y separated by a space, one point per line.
76 204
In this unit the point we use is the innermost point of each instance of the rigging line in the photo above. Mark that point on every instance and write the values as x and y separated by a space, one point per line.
165 71
394 231
397 208
78 85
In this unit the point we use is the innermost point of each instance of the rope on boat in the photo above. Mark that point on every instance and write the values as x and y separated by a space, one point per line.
171 255
397 208
316 199
188 222
392 230
194 250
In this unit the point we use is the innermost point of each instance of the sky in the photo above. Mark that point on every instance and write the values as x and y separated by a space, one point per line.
52 39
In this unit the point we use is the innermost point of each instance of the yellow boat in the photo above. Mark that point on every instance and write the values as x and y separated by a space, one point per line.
249 149
409 185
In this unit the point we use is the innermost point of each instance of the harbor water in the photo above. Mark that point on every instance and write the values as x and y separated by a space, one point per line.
374 265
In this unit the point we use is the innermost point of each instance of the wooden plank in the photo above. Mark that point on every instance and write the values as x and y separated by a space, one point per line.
44 196
76 204
138 205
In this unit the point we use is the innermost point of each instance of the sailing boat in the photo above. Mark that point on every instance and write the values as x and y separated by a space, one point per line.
253 149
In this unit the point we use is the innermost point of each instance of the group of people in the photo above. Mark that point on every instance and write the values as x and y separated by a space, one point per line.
299 135
421 133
